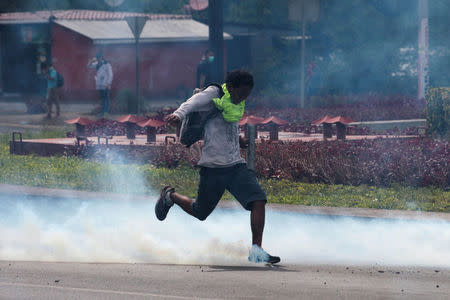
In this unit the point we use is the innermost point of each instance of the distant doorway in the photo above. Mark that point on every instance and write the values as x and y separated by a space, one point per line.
21 51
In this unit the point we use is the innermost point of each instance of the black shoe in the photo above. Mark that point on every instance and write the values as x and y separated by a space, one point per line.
161 207
273 259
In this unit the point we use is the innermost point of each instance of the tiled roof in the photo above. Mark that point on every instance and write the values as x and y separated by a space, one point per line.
79 14
251 120
118 31
331 120
79 120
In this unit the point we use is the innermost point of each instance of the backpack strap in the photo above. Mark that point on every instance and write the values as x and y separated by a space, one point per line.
221 92
215 111
193 125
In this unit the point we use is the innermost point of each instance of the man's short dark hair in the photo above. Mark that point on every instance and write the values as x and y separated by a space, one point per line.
44 66
239 77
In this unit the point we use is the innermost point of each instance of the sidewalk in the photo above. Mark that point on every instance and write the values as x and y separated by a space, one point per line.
21 108
14 116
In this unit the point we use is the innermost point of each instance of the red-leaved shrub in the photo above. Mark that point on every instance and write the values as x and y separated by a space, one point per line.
381 162
413 162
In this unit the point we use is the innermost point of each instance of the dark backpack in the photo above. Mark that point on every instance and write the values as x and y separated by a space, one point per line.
193 125
59 80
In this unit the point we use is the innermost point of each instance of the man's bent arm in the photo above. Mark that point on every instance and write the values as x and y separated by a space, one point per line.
199 102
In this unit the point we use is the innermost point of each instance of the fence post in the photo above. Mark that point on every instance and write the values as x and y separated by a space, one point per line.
251 134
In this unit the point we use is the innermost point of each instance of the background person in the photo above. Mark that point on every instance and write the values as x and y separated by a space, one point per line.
205 69
53 91
103 80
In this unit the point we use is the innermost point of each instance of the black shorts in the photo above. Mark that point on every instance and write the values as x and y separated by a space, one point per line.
238 180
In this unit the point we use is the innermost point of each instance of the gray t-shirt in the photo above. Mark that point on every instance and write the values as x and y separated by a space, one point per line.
221 138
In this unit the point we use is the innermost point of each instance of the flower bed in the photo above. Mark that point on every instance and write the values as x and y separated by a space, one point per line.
357 107
107 127
380 162
366 107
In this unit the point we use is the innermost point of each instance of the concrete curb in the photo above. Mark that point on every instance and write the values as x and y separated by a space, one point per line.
391 122
30 191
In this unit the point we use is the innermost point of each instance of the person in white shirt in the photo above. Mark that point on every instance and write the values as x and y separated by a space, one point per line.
103 80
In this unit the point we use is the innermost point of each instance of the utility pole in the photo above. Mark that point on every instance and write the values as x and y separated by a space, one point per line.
51 20
215 19
303 11
251 133
302 58
138 77
136 25
422 61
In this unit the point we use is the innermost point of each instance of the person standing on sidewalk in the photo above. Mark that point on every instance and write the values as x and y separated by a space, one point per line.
205 69
222 167
103 80
53 90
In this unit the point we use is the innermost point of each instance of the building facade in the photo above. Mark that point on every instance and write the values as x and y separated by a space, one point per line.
170 48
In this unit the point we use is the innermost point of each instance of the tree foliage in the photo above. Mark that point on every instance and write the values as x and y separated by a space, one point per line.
360 46
256 12
438 112
356 45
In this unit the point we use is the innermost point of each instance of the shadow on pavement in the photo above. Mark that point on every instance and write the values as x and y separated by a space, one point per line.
274 268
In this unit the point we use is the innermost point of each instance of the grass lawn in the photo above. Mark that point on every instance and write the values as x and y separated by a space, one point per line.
79 174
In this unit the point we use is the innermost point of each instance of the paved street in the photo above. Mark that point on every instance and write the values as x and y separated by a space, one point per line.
67 233
35 280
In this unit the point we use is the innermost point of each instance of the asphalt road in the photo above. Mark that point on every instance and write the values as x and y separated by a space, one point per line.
39 280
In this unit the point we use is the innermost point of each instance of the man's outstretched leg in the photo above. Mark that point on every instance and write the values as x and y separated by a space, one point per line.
164 203
184 202
210 189
166 200
257 220
200 208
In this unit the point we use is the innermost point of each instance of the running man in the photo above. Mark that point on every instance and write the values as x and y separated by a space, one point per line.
222 166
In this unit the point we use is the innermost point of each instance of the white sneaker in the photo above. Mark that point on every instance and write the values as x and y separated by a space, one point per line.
257 254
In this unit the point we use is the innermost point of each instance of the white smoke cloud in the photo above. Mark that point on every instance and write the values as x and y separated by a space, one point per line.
127 231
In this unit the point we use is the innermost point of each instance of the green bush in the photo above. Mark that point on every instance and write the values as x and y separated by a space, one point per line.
124 102
438 106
